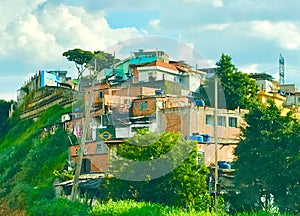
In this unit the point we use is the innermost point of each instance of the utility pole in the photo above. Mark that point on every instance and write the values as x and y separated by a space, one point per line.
87 115
216 143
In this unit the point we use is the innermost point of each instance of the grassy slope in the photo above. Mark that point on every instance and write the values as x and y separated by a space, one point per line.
27 161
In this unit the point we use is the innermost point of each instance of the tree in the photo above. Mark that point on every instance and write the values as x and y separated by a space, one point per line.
183 185
86 59
236 87
4 114
83 59
105 60
268 161
79 57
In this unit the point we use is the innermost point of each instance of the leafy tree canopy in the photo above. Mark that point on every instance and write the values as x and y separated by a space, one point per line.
185 185
236 87
83 59
4 114
268 161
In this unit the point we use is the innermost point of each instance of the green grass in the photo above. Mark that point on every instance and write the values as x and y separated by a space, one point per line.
28 160
132 208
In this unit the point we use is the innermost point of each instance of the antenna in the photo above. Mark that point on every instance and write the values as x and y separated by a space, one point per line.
281 70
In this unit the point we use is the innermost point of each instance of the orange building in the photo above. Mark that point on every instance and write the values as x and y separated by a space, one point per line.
200 121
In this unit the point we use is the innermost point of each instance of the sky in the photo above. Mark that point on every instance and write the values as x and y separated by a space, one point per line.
35 33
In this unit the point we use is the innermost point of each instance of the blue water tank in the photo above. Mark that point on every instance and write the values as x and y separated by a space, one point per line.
78 110
159 92
206 137
224 165
198 138
199 103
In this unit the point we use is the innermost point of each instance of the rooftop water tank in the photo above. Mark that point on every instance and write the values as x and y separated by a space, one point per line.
206 137
159 92
198 138
199 103
77 110
224 165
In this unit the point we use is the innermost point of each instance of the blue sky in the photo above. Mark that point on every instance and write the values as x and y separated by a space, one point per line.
34 34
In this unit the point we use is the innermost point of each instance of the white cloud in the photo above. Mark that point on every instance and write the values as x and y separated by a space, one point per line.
250 68
285 33
218 3
215 3
43 35
215 26
154 24
11 10
26 37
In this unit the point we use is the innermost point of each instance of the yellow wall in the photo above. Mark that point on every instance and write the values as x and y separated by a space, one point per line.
277 98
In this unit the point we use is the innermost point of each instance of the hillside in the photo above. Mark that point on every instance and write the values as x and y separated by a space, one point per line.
29 154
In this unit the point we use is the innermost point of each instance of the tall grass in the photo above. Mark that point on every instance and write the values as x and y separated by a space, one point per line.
133 208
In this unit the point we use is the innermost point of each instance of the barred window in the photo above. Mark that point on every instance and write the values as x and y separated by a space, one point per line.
232 122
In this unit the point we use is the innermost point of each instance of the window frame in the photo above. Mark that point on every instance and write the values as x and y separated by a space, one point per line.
235 125
221 121
209 119
143 105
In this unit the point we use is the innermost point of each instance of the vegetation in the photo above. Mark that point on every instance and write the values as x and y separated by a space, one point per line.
171 177
4 112
156 174
132 208
268 162
236 89
58 207
33 153
83 59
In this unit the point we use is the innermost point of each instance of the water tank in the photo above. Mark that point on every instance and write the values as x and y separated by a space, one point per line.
224 165
200 103
206 137
198 138
77 110
281 92
159 92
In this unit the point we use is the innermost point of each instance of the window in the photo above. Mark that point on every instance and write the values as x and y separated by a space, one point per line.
222 121
152 76
135 105
143 105
100 94
298 99
232 122
98 120
177 79
101 148
209 119
107 120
